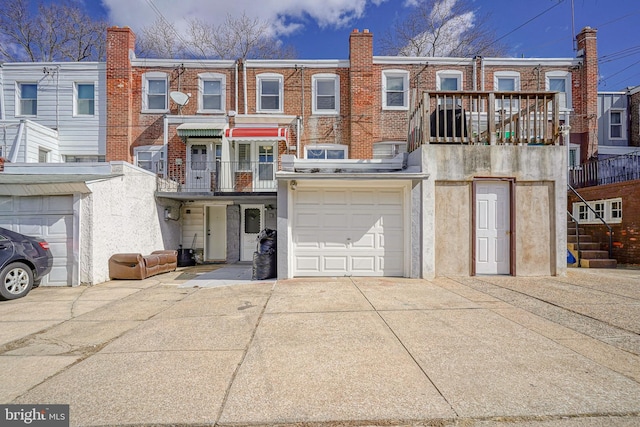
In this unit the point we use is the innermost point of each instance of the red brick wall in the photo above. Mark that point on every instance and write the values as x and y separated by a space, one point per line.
585 95
119 87
634 120
364 94
626 235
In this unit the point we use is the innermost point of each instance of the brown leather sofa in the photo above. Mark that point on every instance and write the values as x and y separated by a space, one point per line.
138 266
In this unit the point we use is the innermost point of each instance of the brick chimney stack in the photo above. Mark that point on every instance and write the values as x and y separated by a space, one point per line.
586 90
120 44
365 91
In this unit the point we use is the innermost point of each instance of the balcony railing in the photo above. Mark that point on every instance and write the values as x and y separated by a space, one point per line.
219 176
485 118
608 171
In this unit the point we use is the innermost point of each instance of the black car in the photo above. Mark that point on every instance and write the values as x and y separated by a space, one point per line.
24 260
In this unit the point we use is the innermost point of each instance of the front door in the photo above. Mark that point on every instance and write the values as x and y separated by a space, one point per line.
216 243
493 223
198 169
251 223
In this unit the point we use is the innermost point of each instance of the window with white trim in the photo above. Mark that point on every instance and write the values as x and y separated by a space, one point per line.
265 162
616 124
325 152
326 93
84 99
150 157
211 92
43 155
269 93
83 159
506 81
395 90
449 80
27 101
155 88
560 81
244 156
608 209
574 157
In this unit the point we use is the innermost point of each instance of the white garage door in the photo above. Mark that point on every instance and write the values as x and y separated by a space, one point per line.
348 232
48 217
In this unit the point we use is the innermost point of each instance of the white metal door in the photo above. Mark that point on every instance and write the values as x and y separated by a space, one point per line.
345 232
251 223
47 217
198 169
216 223
492 228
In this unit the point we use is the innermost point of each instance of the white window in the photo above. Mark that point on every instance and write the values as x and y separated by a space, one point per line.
269 93
395 90
84 99
560 81
326 151
574 156
616 124
244 157
150 157
27 99
265 163
325 93
449 80
211 92
43 155
506 81
155 87
609 209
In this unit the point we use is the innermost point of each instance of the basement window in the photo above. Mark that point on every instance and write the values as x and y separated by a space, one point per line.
609 209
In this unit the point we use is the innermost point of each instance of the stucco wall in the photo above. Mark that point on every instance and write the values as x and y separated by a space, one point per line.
126 218
540 198
535 229
452 227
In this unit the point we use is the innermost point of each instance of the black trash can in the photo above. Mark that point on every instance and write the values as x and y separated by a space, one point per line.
186 257
264 259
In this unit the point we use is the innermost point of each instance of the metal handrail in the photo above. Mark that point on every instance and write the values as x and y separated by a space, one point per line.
597 216
577 237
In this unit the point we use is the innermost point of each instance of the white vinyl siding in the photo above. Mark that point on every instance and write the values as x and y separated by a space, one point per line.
77 135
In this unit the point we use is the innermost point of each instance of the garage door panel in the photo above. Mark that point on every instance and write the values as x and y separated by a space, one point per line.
47 217
334 264
348 232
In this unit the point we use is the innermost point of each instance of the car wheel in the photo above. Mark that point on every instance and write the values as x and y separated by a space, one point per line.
16 280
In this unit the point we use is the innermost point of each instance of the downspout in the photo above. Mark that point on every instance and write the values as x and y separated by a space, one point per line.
165 145
236 106
1 93
57 71
482 74
244 80
475 73
298 137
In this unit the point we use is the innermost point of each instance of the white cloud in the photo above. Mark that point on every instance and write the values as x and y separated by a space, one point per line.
286 15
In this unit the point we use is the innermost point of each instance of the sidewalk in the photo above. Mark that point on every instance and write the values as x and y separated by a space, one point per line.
214 348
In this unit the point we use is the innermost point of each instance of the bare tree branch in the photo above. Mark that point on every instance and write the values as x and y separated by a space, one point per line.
57 32
442 28
237 37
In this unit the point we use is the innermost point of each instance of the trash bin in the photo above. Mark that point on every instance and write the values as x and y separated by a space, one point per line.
264 258
186 257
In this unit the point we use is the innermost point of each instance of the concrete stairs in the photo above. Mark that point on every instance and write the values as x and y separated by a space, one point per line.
591 255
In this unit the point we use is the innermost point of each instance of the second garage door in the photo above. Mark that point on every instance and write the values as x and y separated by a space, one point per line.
348 232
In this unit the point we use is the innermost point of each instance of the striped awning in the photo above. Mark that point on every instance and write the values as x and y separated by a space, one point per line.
278 134
201 130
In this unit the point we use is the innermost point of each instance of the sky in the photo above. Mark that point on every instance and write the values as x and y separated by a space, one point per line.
319 29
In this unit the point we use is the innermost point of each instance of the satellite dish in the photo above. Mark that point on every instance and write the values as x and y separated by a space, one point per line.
179 98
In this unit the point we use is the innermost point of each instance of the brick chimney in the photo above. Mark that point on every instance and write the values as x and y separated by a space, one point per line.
365 94
120 42
585 90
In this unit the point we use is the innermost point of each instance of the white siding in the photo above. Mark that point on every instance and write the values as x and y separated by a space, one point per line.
193 225
77 135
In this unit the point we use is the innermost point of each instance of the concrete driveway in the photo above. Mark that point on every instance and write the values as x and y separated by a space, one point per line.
196 348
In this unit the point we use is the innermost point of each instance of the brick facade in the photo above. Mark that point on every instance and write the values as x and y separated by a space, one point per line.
634 118
362 120
626 235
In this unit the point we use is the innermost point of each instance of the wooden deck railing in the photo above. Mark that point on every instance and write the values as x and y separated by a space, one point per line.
486 118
